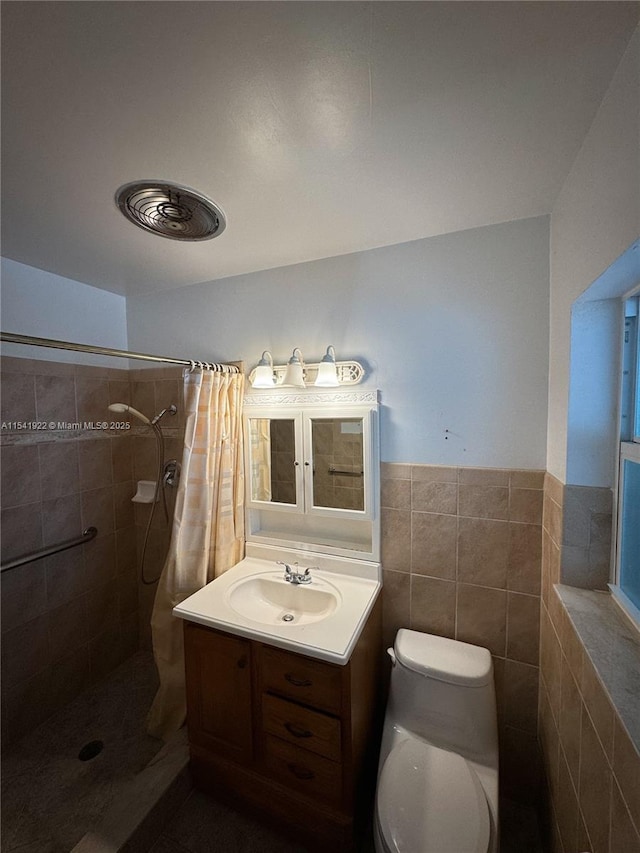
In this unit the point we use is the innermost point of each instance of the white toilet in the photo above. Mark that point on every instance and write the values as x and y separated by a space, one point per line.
438 772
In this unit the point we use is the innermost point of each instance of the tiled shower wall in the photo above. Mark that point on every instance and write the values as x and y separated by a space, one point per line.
151 391
68 619
461 550
591 766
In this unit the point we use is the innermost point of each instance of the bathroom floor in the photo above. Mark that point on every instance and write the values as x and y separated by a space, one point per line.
50 798
203 825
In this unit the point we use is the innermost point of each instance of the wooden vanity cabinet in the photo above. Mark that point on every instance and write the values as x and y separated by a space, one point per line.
292 738
219 692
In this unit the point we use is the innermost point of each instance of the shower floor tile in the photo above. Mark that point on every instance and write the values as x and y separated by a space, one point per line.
50 798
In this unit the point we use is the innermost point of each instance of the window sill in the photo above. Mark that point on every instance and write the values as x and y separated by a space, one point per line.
613 646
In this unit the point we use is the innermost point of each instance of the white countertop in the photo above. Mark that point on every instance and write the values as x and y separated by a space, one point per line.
356 584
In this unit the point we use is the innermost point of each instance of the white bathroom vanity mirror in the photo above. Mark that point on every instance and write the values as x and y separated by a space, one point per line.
337 456
312 465
271 445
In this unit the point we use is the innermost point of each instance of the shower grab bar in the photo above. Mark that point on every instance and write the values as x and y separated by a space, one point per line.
87 535
333 470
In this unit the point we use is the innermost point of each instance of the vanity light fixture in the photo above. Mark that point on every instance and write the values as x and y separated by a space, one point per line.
327 370
328 373
263 376
294 376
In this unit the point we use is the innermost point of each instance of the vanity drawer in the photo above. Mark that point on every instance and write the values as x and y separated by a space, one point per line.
305 771
302 679
301 726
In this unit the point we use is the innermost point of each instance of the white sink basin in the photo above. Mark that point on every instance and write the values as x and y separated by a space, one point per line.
271 600
253 600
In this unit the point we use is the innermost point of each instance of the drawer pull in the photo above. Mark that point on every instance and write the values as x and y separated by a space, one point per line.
301 772
297 682
297 731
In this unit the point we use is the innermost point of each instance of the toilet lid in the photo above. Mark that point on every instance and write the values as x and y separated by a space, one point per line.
444 659
431 801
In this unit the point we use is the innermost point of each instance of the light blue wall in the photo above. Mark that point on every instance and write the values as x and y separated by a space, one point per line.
39 303
593 429
592 424
595 219
453 330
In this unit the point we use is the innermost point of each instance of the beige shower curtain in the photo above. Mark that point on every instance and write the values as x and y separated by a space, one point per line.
260 458
208 527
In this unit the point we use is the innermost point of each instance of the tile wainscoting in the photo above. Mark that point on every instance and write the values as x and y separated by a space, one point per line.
591 795
461 551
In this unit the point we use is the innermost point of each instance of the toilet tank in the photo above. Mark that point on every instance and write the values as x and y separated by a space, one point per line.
443 691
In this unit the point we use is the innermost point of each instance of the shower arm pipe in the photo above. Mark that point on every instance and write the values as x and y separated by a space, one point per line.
87 535
10 338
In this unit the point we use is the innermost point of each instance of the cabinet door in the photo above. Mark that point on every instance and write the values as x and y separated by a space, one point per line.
273 443
337 465
218 679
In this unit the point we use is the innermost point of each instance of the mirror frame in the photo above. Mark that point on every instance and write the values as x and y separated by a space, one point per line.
329 530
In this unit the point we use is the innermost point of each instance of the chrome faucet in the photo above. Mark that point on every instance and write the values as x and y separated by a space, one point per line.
292 575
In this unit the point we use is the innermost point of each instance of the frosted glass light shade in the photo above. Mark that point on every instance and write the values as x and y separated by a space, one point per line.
264 376
327 371
294 374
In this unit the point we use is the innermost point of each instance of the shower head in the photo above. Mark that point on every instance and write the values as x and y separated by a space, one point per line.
123 407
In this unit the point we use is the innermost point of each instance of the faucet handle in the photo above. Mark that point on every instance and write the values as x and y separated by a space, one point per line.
305 577
287 567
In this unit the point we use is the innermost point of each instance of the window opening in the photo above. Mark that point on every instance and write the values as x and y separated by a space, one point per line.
627 565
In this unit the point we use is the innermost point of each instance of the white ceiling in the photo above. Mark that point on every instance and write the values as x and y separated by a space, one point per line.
320 128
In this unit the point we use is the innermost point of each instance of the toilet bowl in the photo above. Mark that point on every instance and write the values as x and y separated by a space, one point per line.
437 788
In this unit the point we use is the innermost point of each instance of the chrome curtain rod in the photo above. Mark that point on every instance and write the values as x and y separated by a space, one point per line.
8 337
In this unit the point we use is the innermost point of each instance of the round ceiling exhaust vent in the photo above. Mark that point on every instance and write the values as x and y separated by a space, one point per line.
170 210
